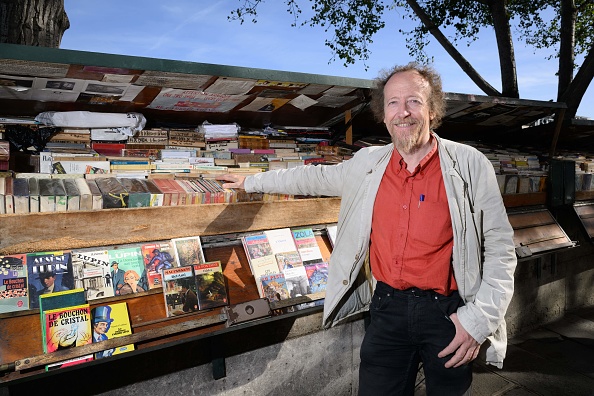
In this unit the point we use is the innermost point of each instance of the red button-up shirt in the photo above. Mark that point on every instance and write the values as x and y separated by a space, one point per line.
411 238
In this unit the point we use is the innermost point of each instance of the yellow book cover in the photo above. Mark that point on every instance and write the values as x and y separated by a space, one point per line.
111 321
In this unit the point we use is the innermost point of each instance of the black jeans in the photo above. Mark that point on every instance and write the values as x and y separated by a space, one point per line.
409 326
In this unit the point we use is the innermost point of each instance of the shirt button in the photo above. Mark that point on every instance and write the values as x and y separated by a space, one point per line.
404 207
345 282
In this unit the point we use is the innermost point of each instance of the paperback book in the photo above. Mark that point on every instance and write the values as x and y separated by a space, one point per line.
317 277
66 328
260 257
48 272
157 256
128 274
188 251
210 285
307 245
93 266
111 321
179 290
13 283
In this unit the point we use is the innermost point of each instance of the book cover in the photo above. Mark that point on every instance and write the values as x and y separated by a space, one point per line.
33 194
86 199
13 283
138 194
8 197
20 195
317 277
281 240
72 195
307 245
66 328
157 256
274 287
188 251
210 285
48 272
92 265
156 195
331 231
128 274
111 321
114 195
260 256
179 290
96 196
288 260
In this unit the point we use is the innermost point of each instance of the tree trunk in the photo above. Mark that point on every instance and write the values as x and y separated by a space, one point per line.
566 45
505 47
576 90
40 23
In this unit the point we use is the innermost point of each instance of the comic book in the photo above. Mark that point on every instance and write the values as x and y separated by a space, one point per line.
111 321
274 287
157 256
179 290
13 283
66 328
317 277
92 265
188 251
210 285
130 276
48 272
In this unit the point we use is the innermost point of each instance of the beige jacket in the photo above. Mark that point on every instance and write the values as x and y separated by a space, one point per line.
483 258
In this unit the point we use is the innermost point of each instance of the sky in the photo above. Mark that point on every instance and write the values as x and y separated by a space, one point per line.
199 31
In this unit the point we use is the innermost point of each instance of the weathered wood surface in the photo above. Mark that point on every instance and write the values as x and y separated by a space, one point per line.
34 232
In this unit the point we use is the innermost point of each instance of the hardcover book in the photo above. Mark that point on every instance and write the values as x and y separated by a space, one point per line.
114 195
20 194
86 198
188 251
93 266
67 328
156 195
210 285
157 256
179 290
13 283
128 274
72 195
111 321
33 194
48 272
138 194
307 245
96 196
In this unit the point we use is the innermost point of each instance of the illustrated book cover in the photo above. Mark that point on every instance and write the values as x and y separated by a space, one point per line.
48 272
260 257
307 245
13 283
210 285
157 256
65 328
111 321
274 287
128 274
92 264
179 290
317 277
188 251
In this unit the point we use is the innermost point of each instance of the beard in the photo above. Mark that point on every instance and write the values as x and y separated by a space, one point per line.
409 142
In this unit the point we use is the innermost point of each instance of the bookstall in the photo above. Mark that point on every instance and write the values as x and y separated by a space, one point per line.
173 93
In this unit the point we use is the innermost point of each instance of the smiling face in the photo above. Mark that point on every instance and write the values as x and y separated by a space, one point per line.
407 112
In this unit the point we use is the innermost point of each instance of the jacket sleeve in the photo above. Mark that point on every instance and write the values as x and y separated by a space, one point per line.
483 315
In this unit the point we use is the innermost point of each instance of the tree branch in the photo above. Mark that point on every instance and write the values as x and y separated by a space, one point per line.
451 50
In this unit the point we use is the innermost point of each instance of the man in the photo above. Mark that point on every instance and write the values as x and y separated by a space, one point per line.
101 324
48 281
117 277
427 215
